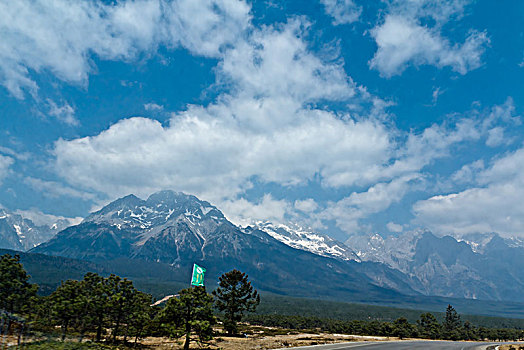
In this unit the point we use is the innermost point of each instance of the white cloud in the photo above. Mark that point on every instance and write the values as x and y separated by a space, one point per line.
18 155
342 11
348 211
60 36
495 205
153 107
392 227
468 172
39 218
402 39
276 62
5 164
243 212
263 124
64 113
306 206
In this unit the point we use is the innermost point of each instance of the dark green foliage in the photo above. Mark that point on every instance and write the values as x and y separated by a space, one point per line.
452 324
97 303
233 297
428 326
67 305
190 312
403 329
16 293
284 305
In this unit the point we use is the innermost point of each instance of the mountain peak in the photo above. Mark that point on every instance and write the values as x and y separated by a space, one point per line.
159 209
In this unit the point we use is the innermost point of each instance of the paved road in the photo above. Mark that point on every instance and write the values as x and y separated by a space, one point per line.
401 345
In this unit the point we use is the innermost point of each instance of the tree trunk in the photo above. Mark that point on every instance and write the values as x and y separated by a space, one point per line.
188 329
117 326
188 339
99 328
125 334
64 329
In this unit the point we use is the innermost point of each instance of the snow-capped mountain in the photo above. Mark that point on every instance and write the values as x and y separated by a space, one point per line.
19 233
179 230
472 266
158 210
299 238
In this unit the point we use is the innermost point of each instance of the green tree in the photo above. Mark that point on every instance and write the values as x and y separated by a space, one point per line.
122 295
140 317
191 312
67 305
96 289
402 328
452 324
428 326
234 296
16 293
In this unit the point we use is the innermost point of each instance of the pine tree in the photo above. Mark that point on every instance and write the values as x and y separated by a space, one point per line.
16 293
428 326
402 328
191 312
97 289
234 296
66 304
452 324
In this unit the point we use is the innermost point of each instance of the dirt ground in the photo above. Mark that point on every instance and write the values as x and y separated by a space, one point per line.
512 347
260 342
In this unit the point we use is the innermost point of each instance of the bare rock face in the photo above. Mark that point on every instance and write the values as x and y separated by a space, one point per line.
475 266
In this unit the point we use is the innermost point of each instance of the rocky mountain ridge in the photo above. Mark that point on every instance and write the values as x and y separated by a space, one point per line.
179 229
475 266
19 233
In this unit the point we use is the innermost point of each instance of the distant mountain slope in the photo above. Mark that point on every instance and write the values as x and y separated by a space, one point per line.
21 233
487 267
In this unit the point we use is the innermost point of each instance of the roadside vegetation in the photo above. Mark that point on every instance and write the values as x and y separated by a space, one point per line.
108 312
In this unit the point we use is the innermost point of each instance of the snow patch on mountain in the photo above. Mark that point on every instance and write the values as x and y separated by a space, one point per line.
299 238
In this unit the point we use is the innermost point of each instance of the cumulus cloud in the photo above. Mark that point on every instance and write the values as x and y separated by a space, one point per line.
243 212
494 205
265 130
348 211
60 36
403 40
342 11
262 129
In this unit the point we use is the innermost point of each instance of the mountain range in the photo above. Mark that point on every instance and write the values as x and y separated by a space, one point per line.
178 230
19 233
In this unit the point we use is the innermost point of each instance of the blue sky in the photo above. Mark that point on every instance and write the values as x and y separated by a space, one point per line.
347 116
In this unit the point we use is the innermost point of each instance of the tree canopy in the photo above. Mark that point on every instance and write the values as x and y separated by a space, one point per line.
234 296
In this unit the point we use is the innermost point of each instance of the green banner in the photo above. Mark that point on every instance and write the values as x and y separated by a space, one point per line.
198 275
